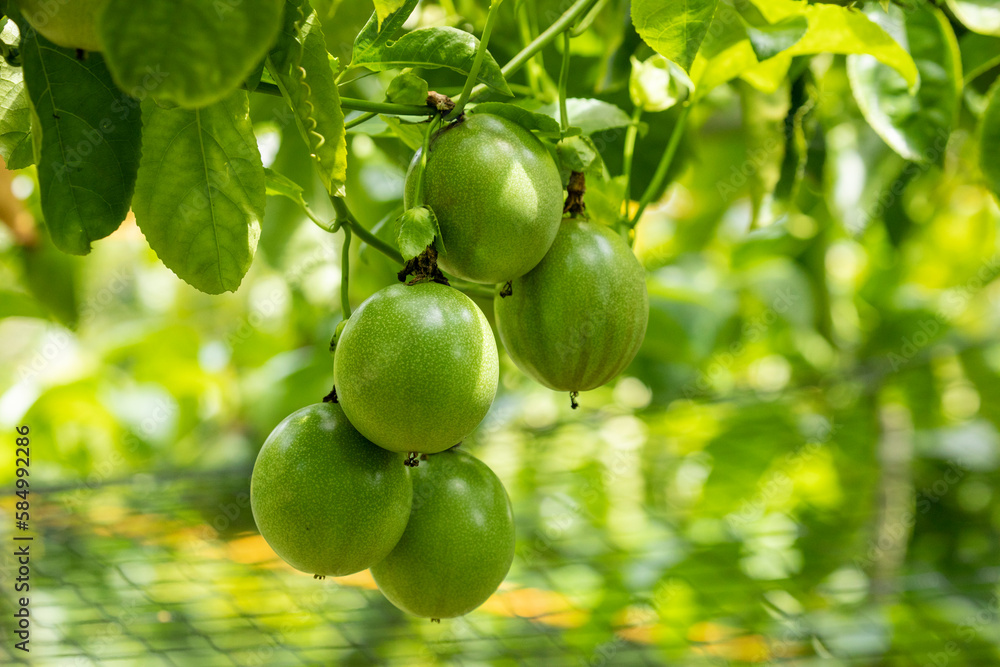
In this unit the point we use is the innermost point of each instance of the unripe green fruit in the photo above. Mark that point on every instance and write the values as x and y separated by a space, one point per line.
497 195
458 544
578 318
328 501
68 23
416 367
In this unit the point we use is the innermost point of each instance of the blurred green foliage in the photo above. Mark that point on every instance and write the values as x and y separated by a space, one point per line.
802 462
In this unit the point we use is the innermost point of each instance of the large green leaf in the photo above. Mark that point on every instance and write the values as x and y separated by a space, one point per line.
301 66
15 118
917 125
770 39
989 140
384 8
675 30
982 16
190 52
432 48
89 143
378 31
728 51
200 194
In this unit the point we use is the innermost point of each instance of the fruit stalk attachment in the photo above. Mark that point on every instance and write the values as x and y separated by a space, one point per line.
574 194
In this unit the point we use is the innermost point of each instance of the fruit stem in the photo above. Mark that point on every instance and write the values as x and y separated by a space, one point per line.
660 176
572 399
345 273
564 22
346 218
363 118
470 80
563 82
425 149
630 136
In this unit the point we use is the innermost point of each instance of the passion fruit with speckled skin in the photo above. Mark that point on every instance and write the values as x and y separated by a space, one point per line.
578 318
458 544
327 500
416 367
69 23
497 195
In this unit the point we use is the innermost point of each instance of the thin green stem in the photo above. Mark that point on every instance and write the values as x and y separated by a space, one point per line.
363 118
345 273
425 149
346 218
661 170
630 137
564 22
524 27
361 105
563 82
470 80
588 20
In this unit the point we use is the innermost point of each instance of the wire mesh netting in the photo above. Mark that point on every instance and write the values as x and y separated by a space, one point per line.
171 571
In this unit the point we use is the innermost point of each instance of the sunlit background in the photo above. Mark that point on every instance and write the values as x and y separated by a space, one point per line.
800 466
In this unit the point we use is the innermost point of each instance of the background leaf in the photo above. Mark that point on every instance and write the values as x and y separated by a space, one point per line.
301 66
432 48
982 16
989 141
916 126
675 30
200 194
590 115
90 143
407 88
190 52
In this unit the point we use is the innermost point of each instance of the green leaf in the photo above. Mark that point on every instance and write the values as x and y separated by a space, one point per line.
544 125
279 185
19 304
989 140
416 229
51 277
378 31
384 8
301 66
916 126
407 88
89 143
430 48
590 115
190 52
980 54
411 134
982 16
770 39
764 117
577 154
657 84
201 189
728 52
675 30
15 118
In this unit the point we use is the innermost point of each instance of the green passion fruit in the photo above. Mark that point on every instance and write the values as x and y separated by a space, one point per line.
458 544
327 500
68 23
497 195
578 318
416 367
